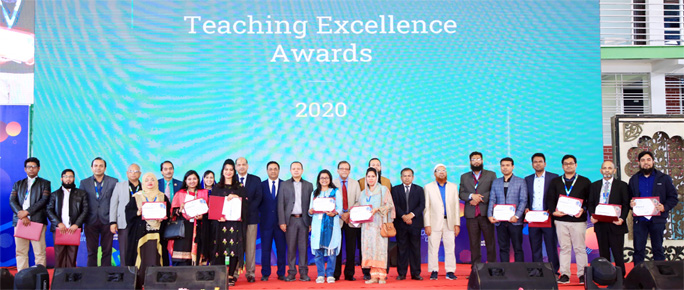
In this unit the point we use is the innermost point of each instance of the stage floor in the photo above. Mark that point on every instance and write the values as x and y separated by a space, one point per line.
462 272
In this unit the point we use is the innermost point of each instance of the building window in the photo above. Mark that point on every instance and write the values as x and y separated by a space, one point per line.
674 94
623 94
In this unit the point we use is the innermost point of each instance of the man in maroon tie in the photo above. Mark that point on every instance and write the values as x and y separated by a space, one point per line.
352 235
474 191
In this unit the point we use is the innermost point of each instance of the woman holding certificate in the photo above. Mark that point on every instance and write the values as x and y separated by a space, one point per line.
228 234
146 215
373 244
192 217
326 235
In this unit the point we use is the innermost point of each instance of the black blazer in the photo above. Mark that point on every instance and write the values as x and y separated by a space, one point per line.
78 207
253 188
662 187
416 205
39 196
619 194
548 176
98 208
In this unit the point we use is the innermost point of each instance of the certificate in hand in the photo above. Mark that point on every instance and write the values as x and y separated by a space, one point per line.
232 209
361 214
153 210
323 204
503 212
537 216
607 212
646 206
196 207
73 239
569 205
31 232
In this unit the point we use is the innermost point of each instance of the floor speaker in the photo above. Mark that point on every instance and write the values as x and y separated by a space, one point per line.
35 277
6 279
534 275
656 275
190 277
94 278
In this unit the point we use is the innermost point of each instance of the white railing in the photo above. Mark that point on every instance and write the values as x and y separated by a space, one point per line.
642 22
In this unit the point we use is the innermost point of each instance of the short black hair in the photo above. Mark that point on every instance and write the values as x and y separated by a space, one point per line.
475 153
507 159
98 158
68 170
343 162
538 155
161 166
296 162
374 158
568 156
272 162
649 153
407 169
32 159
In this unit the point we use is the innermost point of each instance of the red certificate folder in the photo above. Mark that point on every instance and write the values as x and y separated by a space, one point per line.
31 232
546 224
608 219
656 202
216 207
73 239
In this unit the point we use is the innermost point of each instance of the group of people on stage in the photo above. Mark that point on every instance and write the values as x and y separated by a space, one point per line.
282 212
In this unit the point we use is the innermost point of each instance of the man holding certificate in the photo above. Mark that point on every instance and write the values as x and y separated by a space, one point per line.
507 203
652 192
609 198
67 210
567 199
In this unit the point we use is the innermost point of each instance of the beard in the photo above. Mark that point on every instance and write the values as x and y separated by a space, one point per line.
646 171
68 185
607 176
476 168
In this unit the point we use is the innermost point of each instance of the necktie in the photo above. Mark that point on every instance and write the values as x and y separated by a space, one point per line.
273 190
406 191
606 191
242 180
167 190
477 207
345 202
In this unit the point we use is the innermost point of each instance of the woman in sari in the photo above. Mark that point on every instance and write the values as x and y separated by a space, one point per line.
373 244
208 181
146 246
325 227
228 237
185 249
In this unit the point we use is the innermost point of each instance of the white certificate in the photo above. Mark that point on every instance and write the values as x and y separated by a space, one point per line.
537 216
153 210
323 204
607 210
196 207
646 207
361 214
232 210
569 205
503 212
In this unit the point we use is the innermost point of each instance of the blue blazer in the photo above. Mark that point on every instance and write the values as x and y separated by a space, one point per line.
254 197
517 194
662 187
269 206
176 186
548 176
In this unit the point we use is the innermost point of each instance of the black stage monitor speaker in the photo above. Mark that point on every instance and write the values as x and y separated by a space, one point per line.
512 276
35 277
94 278
656 275
189 277
6 279
602 272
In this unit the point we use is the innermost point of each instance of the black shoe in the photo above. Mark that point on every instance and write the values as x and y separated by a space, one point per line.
433 276
304 278
417 278
451 276
366 277
281 278
581 278
337 278
350 278
290 278
400 277
264 278
250 279
563 279
231 281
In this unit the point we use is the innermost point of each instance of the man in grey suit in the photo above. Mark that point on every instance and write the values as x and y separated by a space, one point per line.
509 189
117 207
97 232
474 190
293 204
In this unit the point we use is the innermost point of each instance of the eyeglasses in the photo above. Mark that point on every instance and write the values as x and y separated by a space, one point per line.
134 171
325 178
476 159
568 163
440 170
31 167
342 168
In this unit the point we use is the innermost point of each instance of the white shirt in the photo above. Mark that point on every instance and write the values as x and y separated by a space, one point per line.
297 208
270 185
244 179
538 196
27 198
65 207
603 184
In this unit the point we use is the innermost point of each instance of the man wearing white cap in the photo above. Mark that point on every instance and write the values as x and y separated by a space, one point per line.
442 221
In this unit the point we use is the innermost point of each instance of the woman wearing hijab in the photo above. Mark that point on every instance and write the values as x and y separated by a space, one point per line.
208 180
228 237
325 227
373 244
185 250
146 246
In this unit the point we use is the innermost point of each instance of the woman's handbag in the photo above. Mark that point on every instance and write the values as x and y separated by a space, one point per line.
387 230
175 230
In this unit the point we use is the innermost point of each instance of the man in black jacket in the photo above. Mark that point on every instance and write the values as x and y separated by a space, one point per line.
67 211
409 203
28 200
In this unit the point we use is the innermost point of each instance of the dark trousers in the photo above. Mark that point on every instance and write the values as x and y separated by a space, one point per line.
123 242
65 256
99 235
548 235
297 236
408 251
352 238
642 229
477 227
609 241
268 236
508 234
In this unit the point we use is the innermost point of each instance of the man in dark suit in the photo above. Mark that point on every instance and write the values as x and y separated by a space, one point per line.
649 182
168 185
252 184
537 189
474 191
28 201
409 203
610 236
99 188
67 210
293 204
509 189
268 225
